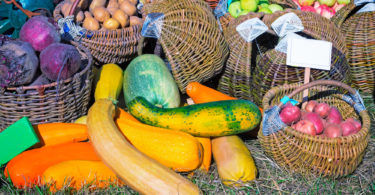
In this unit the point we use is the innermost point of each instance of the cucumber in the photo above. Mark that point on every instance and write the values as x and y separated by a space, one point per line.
212 119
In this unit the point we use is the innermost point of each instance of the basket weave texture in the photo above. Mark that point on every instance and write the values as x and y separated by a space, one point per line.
271 69
109 46
191 40
359 30
316 155
62 101
236 80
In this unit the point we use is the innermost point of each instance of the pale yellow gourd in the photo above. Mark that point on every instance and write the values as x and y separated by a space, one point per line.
110 82
233 159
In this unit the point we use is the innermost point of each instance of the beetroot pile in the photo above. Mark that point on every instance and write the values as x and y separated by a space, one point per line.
319 119
38 57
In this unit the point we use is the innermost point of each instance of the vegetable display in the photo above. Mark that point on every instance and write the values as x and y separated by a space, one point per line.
110 82
219 118
138 171
233 160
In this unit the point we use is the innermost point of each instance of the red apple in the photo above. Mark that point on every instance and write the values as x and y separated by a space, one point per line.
329 3
322 109
312 103
332 130
290 114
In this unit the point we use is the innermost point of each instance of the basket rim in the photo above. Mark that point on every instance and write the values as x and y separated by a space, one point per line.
53 84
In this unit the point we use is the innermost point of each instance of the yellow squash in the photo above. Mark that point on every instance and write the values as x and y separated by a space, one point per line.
110 82
234 162
138 171
177 150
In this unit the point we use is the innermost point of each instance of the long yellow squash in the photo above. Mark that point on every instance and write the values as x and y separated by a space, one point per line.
138 171
110 82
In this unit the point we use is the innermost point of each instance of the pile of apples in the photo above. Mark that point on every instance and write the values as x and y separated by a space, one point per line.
326 8
243 7
319 119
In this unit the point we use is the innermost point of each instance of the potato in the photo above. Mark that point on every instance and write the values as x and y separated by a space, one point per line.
82 4
113 6
96 3
121 17
128 8
91 23
134 20
65 9
80 16
101 14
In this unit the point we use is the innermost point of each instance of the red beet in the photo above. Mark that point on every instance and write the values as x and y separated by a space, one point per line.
59 57
334 116
39 32
322 109
290 114
316 120
18 63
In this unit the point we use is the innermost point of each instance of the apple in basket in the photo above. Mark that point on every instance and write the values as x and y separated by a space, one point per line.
250 5
305 126
328 3
305 2
234 9
343 2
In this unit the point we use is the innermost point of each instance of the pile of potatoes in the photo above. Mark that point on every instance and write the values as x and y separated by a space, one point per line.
104 14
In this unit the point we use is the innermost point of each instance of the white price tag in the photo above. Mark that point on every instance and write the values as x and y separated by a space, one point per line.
309 53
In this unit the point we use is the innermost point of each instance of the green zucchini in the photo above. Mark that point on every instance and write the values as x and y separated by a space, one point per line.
210 119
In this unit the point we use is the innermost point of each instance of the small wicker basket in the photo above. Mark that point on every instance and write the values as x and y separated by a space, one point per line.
62 101
191 40
360 41
108 46
307 154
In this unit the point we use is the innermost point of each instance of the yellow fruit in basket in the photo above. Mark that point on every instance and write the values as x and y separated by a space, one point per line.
111 24
101 14
121 17
128 8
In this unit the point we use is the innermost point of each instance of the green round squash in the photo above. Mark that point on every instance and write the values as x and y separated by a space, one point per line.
147 76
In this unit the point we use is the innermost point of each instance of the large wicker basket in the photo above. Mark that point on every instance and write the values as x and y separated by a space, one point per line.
108 46
271 69
191 40
62 101
359 30
317 155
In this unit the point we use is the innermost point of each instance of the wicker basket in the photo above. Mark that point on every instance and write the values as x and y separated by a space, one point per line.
62 101
191 40
236 79
108 46
360 41
307 154
271 69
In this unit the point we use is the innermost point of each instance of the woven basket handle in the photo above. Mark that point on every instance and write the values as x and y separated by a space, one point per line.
74 6
320 82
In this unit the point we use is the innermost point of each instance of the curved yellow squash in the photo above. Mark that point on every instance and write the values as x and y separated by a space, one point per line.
138 171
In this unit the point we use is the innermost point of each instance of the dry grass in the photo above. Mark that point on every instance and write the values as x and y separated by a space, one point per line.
271 179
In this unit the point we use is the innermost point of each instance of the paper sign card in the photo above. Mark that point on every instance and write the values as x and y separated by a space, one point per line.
309 53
